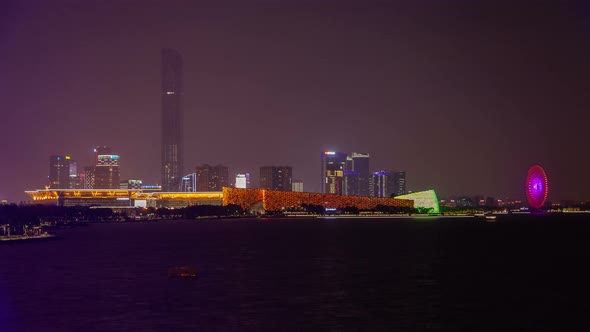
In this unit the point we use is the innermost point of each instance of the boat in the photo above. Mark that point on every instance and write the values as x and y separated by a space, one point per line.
490 218
182 272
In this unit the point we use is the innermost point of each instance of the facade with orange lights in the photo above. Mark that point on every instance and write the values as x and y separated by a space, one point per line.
270 200
274 200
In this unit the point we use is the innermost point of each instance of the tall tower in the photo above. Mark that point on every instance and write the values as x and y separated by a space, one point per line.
172 120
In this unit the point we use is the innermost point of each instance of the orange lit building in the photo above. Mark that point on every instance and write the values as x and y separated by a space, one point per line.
274 200
270 200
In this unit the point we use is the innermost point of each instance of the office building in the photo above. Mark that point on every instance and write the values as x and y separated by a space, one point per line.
297 186
243 180
101 150
333 165
106 172
59 172
360 164
211 178
399 183
382 184
350 183
276 178
172 120
76 179
189 183
88 177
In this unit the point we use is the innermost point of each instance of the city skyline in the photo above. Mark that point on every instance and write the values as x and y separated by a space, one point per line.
460 115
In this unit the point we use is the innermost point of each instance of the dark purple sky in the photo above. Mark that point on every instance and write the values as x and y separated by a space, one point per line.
463 95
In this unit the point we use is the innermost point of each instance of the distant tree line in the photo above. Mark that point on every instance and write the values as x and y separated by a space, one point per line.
35 214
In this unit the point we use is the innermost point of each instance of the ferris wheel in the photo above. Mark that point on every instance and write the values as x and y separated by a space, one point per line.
537 186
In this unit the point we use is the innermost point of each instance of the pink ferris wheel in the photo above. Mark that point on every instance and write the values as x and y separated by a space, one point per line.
537 186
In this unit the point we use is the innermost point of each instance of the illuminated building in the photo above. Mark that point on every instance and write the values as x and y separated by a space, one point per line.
189 183
350 183
360 164
124 197
76 178
172 120
88 177
242 180
106 172
382 184
399 183
425 200
270 200
211 178
333 165
297 186
101 150
130 184
275 200
59 172
276 178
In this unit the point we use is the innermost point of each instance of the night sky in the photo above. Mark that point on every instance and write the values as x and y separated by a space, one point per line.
463 95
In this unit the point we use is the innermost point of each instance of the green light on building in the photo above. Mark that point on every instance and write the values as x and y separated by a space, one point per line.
423 200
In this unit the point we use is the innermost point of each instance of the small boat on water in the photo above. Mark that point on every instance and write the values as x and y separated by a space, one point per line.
182 272
490 218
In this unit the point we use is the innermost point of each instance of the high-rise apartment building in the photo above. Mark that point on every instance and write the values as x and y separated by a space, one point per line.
333 165
276 178
212 178
172 120
59 172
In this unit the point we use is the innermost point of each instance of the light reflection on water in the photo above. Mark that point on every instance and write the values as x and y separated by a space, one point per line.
282 275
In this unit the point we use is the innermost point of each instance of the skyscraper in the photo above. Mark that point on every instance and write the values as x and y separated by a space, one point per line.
106 172
189 183
333 165
59 172
399 183
101 150
212 178
350 183
382 184
172 120
276 177
360 164
89 173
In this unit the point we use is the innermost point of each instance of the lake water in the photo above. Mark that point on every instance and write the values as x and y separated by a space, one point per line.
520 273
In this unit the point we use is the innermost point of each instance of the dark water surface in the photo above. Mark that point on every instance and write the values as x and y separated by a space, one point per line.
523 273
